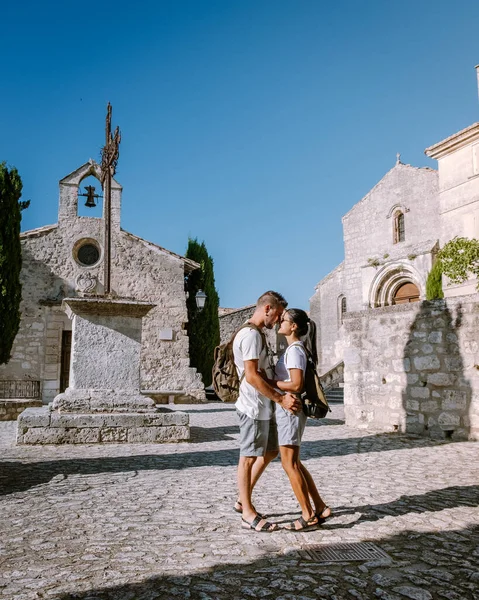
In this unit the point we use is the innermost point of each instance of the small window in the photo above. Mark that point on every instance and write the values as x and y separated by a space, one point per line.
87 252
399 230
342 308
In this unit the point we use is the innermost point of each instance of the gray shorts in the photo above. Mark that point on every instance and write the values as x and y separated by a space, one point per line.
257 437
290 427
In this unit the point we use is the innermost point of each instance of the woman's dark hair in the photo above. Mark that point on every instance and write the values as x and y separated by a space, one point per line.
306 330
300 319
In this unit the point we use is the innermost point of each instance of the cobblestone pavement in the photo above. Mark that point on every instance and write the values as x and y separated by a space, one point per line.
142 522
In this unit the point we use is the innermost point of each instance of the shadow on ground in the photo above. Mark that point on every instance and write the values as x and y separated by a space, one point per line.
16 476
435 500
422 565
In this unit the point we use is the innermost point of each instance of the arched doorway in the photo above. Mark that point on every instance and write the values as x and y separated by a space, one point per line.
407 292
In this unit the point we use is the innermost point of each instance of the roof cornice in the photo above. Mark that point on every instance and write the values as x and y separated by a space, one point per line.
454 142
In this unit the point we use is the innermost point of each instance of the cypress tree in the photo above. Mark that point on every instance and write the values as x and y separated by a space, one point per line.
203 326
10 258
434 282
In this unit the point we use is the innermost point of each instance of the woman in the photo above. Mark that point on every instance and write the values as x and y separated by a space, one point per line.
289 377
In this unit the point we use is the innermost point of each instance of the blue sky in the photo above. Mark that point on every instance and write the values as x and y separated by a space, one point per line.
253 125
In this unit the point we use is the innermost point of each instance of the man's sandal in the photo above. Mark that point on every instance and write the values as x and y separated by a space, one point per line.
309 524
238 507
267 527
322 516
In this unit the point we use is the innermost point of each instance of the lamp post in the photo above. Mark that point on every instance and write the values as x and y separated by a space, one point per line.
200 298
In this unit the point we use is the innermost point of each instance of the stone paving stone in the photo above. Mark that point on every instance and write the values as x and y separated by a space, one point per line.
141 522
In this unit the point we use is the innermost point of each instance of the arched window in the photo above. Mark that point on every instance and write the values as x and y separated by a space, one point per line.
399 231
342 308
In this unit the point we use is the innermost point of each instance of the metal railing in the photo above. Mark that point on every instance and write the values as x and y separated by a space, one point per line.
21 389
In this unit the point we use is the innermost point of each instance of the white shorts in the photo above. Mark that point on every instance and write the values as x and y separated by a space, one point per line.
290 427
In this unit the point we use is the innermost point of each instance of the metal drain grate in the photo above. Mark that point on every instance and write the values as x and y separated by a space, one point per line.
361 551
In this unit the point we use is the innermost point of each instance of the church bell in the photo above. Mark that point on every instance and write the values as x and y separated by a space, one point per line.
90 196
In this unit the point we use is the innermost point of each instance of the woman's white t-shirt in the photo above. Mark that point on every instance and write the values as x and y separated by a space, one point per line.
293 358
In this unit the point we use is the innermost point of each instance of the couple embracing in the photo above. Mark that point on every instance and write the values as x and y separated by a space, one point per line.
269 412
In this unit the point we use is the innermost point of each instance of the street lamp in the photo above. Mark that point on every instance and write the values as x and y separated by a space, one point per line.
200 300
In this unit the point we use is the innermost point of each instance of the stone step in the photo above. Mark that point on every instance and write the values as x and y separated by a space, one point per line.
335 395
46 426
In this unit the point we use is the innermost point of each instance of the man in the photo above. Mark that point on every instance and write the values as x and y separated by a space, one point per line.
258 435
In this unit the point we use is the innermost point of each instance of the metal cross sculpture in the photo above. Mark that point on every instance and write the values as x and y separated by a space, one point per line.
109 159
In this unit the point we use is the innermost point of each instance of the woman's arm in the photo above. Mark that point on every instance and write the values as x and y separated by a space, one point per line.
295 386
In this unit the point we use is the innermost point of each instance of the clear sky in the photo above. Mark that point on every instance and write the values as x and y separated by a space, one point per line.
253 125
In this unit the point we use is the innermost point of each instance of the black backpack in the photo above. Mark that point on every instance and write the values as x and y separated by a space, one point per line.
313 399
226 382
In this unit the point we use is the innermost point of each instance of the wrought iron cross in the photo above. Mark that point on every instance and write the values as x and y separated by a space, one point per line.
109 159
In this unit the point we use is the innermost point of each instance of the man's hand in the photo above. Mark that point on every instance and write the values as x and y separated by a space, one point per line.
291 403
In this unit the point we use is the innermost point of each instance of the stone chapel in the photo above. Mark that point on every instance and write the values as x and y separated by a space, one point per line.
66 260
406 365
391 237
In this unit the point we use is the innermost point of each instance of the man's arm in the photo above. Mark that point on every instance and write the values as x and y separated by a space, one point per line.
287 401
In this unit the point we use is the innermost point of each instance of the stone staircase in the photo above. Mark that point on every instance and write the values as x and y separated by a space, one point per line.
335 395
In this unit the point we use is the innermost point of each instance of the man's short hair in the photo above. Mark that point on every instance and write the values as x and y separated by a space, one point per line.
274 299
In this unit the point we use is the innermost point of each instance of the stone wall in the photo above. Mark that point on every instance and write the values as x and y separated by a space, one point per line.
232 320
414 368
325 310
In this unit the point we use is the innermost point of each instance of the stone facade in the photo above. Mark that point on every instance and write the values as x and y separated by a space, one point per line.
414 368
458 165
375 264
53 269
391 237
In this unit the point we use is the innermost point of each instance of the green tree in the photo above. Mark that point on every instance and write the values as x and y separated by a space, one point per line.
434 282
460 259
203 326
10 258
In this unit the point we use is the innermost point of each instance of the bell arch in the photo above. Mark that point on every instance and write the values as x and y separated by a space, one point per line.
389 279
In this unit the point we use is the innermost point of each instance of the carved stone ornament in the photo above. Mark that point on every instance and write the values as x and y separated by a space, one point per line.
86 282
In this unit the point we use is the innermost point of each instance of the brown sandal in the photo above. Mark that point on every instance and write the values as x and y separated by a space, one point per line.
267 527
322 517
309 524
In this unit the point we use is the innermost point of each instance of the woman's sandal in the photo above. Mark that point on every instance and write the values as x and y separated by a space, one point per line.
309 524
238 507
267 527
322 517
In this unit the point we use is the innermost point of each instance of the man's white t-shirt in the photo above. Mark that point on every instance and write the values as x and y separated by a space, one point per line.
248 345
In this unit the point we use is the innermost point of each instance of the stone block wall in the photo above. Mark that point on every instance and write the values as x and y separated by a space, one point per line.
414 368
325 310
232 320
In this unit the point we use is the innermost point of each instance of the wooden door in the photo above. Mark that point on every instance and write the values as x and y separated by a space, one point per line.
407 292
65 360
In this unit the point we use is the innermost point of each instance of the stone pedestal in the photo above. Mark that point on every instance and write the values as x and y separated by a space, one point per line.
103 402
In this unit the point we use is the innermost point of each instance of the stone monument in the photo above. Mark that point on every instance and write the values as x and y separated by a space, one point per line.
103 402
